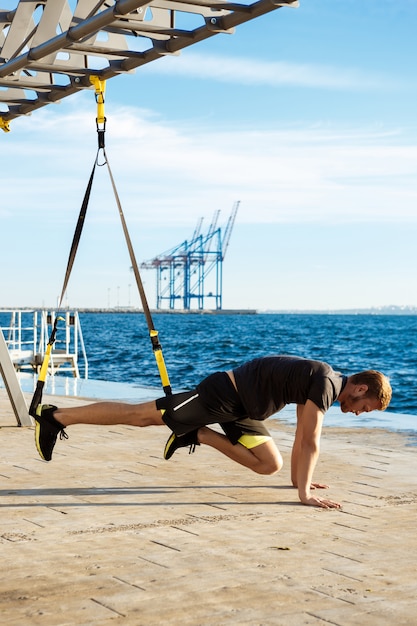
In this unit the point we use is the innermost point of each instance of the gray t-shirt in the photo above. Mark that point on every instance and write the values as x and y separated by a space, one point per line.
267 384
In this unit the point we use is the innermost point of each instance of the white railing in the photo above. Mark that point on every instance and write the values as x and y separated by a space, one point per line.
26 333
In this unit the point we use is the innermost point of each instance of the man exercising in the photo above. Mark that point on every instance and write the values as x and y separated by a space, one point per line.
239 401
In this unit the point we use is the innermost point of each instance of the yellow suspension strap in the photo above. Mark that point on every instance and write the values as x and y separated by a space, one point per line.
4 125
37 396
100 90
153 333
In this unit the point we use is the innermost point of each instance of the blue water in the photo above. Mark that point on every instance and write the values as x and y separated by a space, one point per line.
194 345
119 348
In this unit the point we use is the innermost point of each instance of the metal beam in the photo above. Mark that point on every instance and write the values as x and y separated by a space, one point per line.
11 382
50 48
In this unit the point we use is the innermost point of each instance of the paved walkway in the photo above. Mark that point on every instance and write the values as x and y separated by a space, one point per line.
109 533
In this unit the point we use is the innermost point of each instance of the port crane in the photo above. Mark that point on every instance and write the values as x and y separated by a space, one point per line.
183 273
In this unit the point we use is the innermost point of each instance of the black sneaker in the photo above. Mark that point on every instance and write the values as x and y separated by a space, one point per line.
46 430
174 442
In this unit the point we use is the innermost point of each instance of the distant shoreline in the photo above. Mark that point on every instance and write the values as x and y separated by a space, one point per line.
389 310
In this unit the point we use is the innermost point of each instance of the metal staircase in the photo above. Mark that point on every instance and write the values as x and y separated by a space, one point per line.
26 336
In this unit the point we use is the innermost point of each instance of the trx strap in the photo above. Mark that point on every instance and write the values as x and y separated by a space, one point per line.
37 396
100 86
153 333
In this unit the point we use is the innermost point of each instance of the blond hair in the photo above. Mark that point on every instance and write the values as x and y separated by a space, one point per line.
378 385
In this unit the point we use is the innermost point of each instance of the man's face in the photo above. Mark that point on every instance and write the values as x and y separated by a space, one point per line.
358 404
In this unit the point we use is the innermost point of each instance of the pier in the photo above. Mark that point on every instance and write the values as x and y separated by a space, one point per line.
109 532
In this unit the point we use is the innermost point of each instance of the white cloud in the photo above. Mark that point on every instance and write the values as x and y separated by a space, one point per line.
174 174
168 176
249 71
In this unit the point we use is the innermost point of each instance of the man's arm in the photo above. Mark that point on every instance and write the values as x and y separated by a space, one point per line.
296 452
306 452
295 455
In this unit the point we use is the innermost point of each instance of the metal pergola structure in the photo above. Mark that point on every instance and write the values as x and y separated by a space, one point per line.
50 49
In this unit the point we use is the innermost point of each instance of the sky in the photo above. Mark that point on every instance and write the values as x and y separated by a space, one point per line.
306 116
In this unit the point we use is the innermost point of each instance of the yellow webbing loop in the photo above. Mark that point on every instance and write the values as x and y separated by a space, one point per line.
4 125
37 396
163 373
45 363
100 87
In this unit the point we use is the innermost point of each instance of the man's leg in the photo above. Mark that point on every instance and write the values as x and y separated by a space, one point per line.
262 459
111 413
52 421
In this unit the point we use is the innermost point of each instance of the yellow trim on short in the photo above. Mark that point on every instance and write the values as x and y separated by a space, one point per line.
252 441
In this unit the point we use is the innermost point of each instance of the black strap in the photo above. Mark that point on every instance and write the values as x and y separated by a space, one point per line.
78 231
37 396
156 346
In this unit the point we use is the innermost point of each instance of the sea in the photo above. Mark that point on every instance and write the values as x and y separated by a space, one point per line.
121 361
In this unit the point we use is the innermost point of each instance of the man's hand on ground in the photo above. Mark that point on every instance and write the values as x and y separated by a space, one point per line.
318 486
321 502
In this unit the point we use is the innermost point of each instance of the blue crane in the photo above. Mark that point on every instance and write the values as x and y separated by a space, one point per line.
182 272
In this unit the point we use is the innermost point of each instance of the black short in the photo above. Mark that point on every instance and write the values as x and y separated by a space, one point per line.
214 401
